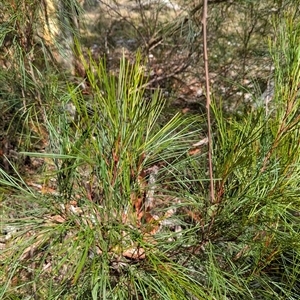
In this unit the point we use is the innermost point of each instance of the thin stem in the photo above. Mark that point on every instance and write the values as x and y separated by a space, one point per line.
208 102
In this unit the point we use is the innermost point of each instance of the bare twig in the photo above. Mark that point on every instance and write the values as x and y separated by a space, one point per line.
208 102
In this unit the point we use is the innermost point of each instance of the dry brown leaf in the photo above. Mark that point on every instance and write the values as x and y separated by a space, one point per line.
135 253
57 219
47 190
194 151
137 203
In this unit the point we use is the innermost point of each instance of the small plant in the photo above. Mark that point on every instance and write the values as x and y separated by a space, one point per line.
100 236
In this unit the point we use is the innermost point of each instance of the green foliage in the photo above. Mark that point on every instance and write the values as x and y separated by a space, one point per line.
100 157
89 238
31 52
257 161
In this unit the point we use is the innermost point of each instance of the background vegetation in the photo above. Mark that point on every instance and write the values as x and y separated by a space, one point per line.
104 182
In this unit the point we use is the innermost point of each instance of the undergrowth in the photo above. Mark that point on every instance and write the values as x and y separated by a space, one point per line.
123 210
